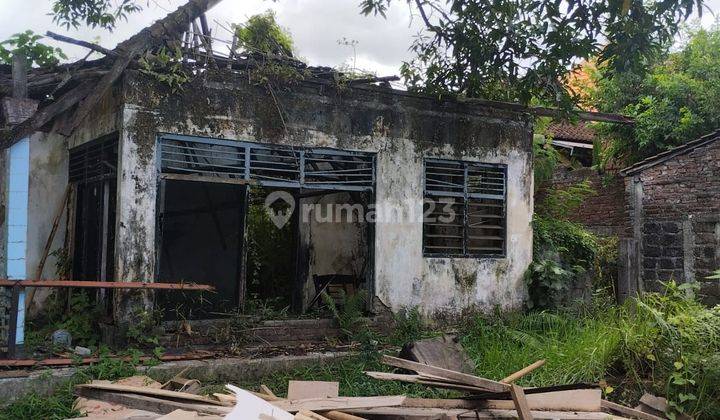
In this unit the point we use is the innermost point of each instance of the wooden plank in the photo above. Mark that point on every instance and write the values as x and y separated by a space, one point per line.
339 415
417 379
522 372
609 406
521 404
144 402
30 294
301 390
153 392
656 403
460 377
338 403
267 391
416 413
309 415
573 400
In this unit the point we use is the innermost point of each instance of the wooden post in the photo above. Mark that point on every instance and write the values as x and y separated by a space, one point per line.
521 404
19 76
628 269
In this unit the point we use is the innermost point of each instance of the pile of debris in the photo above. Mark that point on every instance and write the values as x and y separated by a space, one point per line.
141 397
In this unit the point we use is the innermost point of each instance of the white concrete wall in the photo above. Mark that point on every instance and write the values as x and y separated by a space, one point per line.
439 286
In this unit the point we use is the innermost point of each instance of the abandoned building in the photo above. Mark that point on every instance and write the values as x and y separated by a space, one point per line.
674 214
145 182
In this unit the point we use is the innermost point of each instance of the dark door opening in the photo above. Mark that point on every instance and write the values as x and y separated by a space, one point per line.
93 173
201 228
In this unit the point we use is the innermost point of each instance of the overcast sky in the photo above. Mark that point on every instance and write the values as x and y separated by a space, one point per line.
315 25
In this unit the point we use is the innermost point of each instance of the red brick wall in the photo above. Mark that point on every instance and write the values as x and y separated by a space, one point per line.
681 218
603 212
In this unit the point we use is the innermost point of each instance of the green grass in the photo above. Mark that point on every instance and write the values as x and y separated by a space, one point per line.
666 344
576 349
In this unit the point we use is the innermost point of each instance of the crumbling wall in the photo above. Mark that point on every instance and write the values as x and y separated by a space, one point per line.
4 292
400 128
47 183
675 210
605 211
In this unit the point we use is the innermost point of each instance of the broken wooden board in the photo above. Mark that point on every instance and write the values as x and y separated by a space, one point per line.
300 390
444 352
611 407
153 404
463 378
153 392
522 372
575 400
521 404
415 413
418 379
339 403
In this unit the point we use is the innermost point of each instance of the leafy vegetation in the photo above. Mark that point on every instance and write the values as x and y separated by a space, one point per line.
104 14
519 50
166 67
26 43
563 251
674 102
262 34
59 405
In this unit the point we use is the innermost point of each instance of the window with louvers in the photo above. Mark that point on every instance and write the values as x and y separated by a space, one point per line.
464 209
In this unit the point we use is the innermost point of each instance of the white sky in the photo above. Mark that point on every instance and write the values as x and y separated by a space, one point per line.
315 25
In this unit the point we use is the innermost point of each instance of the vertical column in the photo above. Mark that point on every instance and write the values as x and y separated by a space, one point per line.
688 250
17 216
136 211
637 221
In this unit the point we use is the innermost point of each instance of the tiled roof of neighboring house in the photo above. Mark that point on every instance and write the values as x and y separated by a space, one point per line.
667 155
579 132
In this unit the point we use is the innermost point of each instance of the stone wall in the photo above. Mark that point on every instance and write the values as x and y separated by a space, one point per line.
603 212
676 216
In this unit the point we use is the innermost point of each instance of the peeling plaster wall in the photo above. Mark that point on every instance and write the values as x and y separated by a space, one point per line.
400 128
48 180
4 292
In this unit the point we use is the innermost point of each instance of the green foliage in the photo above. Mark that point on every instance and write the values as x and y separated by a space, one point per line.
270 253
93 13
675 102
674 340
166 67
144 329
562 250
262 34
350 319
409 327
73 311
59 405
545 159
26 43
517 50
559 203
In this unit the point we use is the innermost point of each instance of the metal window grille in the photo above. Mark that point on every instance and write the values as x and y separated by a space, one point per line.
465 213
94 161
269 165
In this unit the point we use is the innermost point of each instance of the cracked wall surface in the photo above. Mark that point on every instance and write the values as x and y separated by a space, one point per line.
400 128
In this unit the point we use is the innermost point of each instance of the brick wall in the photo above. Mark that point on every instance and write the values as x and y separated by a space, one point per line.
604 212
679 222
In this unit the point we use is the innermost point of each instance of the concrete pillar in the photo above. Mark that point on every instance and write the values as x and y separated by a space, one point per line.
688 250
628 281
136 210
637 221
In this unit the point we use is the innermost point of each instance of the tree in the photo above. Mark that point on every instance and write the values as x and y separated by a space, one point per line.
262 34
92 13
519 50
674 102
26 43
